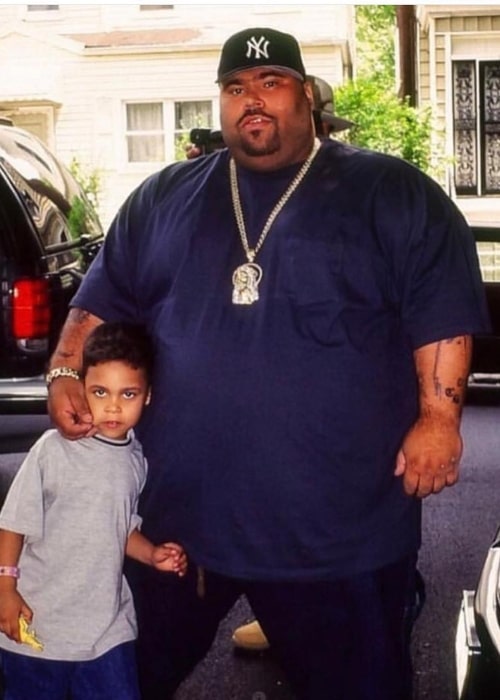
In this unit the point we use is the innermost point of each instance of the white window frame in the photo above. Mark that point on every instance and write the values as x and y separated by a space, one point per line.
169 130
162 131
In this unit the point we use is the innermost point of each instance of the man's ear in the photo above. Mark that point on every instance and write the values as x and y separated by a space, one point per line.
148 398
308 89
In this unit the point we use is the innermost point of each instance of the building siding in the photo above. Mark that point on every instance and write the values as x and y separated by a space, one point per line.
45 62
447 33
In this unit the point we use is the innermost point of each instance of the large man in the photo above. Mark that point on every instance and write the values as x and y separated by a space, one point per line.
311 308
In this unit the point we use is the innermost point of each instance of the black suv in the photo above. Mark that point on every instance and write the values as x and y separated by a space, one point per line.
49 233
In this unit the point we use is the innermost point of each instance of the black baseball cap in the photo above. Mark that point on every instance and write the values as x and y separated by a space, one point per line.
259 46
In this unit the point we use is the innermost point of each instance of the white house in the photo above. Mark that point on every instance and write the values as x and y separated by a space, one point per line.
458 49
118 87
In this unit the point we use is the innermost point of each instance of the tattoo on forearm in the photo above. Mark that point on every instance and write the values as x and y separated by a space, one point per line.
454 392
79 315
77 326
435 378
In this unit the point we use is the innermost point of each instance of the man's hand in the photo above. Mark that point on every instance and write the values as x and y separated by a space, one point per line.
429 457
66 404
68 408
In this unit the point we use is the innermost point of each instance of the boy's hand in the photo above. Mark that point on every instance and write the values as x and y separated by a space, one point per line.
12 607
170 557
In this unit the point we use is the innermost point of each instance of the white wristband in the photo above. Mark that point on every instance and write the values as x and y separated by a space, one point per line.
61 372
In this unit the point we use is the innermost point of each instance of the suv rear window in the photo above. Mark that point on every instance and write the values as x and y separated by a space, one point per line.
43 183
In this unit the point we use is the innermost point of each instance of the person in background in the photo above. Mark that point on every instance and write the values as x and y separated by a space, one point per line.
68 520
294 429
326 122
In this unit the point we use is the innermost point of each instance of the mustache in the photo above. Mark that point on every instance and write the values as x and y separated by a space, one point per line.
253 112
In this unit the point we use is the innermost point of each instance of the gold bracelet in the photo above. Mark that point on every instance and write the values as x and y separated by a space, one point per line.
61 372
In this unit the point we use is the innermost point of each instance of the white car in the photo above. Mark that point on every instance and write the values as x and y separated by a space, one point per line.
477 642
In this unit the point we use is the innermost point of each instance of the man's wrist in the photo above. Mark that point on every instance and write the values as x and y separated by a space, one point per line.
57 372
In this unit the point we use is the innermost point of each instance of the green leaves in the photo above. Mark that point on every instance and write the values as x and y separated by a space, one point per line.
384 122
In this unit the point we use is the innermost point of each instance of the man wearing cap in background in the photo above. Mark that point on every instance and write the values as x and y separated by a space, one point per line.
326 122
296 422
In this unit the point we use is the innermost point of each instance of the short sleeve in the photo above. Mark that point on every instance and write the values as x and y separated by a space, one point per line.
23 510
435 261
111 288
108 289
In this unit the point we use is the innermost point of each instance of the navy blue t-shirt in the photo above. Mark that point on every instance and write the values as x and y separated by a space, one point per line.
273 429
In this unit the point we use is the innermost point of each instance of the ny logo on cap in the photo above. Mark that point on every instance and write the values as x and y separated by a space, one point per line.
258 47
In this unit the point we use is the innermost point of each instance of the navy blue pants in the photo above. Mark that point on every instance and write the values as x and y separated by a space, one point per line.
336 640
112 675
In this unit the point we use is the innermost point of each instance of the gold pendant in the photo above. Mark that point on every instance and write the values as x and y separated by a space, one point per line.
246 280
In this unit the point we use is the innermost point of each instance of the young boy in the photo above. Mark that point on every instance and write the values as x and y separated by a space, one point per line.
68 520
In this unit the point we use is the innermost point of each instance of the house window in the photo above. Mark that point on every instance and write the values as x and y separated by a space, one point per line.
147 8
149 123
189 115
145 132
41 8
476 121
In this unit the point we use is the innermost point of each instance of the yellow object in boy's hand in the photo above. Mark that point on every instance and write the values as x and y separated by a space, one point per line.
28 636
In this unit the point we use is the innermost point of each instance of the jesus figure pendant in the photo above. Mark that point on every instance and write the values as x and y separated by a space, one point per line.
246 280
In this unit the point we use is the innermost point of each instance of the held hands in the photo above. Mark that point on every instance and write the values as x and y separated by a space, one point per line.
68 408
170 557
429 456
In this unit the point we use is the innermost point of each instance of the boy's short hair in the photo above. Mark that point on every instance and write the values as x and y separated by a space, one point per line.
117 341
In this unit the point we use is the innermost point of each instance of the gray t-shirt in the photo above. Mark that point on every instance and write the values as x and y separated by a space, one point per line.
76 503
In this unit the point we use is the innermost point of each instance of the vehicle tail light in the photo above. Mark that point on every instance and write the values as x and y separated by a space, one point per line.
30 309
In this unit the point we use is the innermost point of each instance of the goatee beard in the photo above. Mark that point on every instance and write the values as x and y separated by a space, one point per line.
251 148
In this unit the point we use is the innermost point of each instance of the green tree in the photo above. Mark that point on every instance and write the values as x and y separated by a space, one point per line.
383 121
89 181
83 215
375 32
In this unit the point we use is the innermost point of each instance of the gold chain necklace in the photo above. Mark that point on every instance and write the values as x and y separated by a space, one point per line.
246 277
